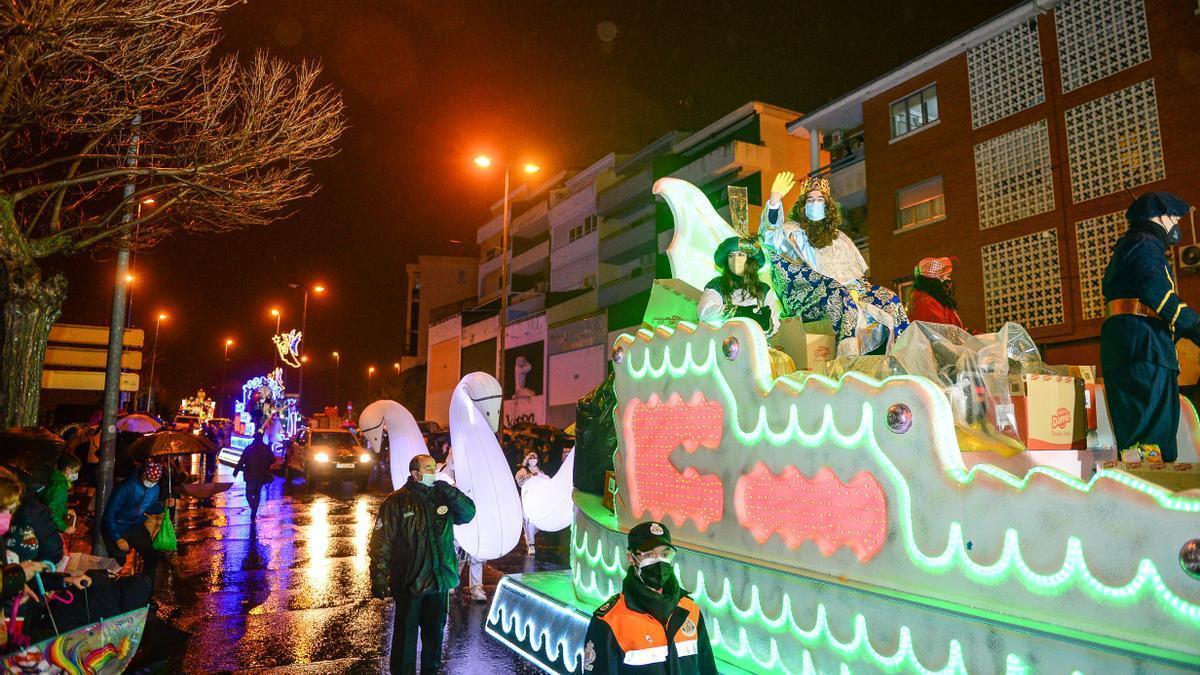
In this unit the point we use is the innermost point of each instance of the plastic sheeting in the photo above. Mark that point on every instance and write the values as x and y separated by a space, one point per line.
595 435
972 370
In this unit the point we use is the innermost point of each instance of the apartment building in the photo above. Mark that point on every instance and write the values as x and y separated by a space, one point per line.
434 281
1017 147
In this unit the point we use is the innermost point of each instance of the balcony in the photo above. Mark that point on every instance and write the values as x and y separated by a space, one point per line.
625 286
584 304
847 180
522 304
626 193
723 160
532 260
532 222
628 242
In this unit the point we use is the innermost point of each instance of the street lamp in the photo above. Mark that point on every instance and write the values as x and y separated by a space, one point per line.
318 289
224 370
275 359
370 374
337 368
162 316
396 365
483 161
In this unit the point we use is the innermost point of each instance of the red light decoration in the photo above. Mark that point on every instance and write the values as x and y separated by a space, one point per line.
652 430
830 513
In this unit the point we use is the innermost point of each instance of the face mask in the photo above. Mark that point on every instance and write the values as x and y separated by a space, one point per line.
72 477
1173 236
656 574
149 484
814 210
531 463
428 479
737 264
5 521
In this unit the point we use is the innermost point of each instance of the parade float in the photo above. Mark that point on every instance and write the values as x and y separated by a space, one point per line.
856 523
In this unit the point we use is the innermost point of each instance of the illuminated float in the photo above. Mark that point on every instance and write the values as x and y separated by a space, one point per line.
832 525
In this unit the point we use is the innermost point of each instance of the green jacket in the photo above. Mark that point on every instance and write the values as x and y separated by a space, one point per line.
54 496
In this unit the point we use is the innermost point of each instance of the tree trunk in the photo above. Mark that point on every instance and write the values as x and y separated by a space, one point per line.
30 305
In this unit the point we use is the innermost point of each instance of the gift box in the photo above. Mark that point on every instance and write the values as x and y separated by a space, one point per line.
671 301
1176 476
810 344
1049 411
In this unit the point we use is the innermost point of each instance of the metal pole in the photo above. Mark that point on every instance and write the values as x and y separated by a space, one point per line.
504 288
112 370
224 376
153 360
337 370
303 337
275 356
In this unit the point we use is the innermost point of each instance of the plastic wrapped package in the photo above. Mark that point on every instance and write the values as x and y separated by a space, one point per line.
974 371
878 367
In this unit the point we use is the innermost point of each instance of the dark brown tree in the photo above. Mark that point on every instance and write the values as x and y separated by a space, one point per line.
105 103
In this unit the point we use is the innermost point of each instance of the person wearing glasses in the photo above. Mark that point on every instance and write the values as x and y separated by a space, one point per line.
652 626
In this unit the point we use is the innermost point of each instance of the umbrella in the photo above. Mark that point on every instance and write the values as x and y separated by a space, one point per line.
33 451
162 443
203 490
138 423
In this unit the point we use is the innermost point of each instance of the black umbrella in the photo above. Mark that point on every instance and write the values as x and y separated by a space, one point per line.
163 443
31 451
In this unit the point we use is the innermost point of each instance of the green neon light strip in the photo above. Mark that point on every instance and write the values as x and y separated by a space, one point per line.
819 637
528 629
1074 571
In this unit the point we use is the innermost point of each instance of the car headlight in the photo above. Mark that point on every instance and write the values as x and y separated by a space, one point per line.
321 457
365 457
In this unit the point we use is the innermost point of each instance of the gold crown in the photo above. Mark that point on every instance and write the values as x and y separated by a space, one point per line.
815 183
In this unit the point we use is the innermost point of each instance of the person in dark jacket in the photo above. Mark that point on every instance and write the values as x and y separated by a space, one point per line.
1144 317
413 561
123 523
652 626
13 577
256 461
32 534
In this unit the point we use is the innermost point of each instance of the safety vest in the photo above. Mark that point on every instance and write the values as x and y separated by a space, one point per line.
643 640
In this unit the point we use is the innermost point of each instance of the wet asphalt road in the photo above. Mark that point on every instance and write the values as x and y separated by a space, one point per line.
291 593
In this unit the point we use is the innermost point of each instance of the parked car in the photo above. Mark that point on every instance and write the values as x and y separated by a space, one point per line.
327 454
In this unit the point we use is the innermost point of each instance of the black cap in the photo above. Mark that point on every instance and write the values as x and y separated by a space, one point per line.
648 535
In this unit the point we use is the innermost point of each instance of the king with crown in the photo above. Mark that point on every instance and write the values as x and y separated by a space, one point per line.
819 273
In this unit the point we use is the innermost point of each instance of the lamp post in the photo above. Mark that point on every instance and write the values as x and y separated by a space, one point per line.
318 289
483 161
396 365
154 360
337 368
275 357
224 371
370 374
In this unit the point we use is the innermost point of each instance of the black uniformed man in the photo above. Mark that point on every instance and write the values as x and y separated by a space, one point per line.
413 560
651 626
1144 318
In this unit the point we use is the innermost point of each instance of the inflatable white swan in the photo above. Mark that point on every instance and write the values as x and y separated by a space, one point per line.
481 470
404 436
547 501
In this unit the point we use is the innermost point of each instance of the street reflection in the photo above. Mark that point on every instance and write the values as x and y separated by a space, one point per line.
363 522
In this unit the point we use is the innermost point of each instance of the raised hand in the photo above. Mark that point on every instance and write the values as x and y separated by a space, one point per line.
784 182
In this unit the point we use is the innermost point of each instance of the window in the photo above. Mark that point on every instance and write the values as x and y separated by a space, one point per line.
914 111
920 204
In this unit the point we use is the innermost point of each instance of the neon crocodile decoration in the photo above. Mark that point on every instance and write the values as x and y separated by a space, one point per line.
888 506
832 526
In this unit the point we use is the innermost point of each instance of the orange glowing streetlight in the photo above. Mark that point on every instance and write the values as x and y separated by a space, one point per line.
483 161
370 376
396 365
129 278
224 375
162 316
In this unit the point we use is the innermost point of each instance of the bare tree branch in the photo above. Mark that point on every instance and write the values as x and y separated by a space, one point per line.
225 143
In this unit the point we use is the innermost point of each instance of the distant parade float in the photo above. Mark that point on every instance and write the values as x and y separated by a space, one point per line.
865 513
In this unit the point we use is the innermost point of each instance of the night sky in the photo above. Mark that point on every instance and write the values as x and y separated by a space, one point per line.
430 84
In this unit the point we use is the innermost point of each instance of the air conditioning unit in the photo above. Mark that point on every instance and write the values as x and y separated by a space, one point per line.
1189 256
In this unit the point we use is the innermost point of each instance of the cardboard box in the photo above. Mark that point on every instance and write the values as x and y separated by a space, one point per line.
1049 411
671 301
1176 476
810 344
